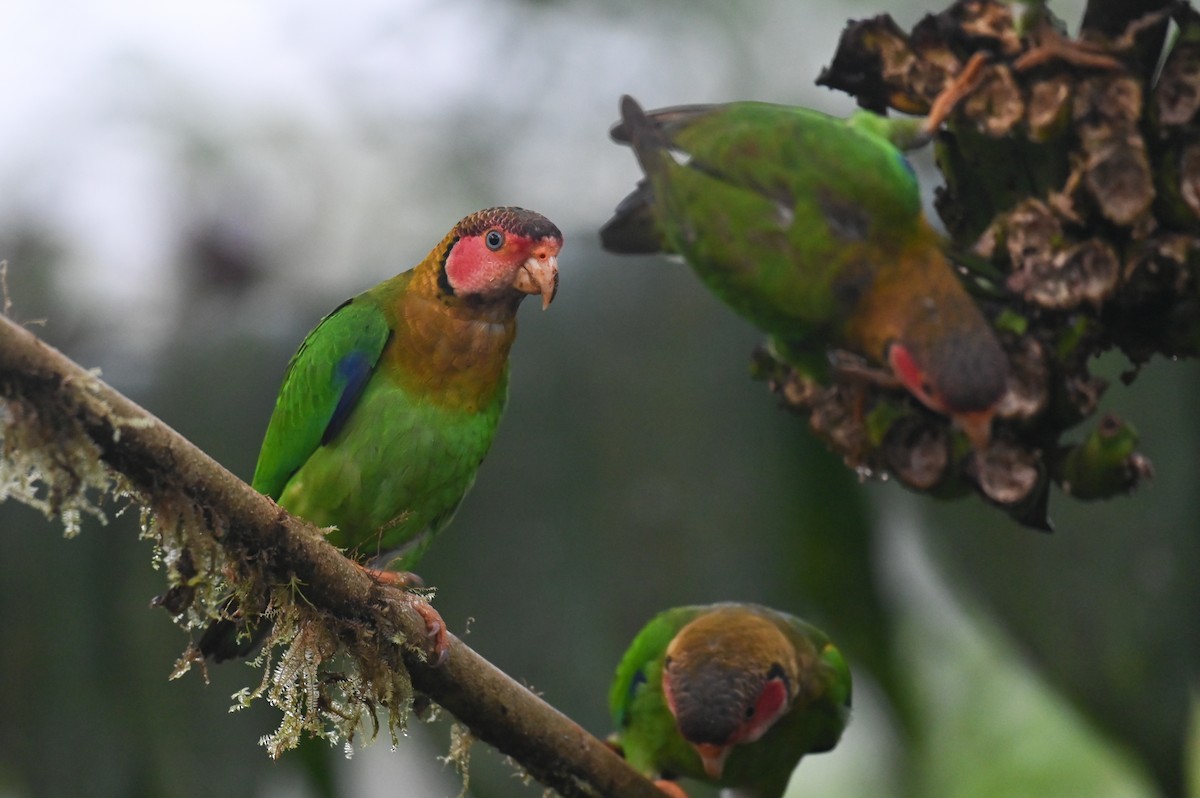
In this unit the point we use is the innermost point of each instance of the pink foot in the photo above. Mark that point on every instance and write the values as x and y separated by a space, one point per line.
405 580
670 788
435 627
963 84
435 630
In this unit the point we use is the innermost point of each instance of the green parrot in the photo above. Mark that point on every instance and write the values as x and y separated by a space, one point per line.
391 402
811 227
729 694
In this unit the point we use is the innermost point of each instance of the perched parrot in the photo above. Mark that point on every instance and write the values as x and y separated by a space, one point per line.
811 227
391 402
729 694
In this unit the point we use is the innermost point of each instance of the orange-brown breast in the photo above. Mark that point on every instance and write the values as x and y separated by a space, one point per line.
449 352
914 294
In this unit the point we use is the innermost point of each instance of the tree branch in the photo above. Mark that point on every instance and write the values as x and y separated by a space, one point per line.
51 401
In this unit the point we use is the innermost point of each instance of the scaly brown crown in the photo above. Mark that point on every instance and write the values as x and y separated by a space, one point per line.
716 668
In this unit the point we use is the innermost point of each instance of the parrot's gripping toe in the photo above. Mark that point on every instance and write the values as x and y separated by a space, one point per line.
405 580
670 788
435 630
435 627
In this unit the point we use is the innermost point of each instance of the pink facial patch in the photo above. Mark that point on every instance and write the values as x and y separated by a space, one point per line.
772 702
472 268
909 373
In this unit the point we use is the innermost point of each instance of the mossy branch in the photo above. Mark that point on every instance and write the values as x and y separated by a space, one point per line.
68 431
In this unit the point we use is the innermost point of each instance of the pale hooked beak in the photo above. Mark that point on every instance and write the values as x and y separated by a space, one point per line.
713 756
539 275
977 426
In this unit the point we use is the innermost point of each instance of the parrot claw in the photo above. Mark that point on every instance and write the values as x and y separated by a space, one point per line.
965 82
1054 46
1078 54
435 631
405 580
1051 45
855 368
670 788
435 627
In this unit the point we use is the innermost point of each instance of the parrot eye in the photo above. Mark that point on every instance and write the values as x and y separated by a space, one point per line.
750 710
494 240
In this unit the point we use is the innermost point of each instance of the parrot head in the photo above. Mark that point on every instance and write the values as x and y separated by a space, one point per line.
502 254
727 678
963 378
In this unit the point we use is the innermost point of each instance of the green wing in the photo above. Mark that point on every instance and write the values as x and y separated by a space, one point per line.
828 684
781 152
649 645
781 211
645 729
322 384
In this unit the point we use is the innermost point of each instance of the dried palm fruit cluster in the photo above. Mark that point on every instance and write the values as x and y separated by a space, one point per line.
1072 200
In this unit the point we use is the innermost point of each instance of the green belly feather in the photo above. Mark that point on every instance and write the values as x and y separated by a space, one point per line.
394 475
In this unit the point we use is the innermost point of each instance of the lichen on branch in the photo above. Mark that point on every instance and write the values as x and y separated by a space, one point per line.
352 649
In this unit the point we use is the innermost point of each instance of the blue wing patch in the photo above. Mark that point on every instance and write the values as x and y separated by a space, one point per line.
637 681
352 371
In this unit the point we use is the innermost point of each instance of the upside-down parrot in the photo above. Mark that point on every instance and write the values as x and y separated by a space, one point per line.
391 402
729 694
811 227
